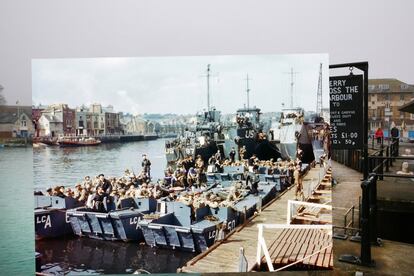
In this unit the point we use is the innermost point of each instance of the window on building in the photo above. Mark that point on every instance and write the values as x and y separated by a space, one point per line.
23 123
386 97
401 97
404 86
371 87
384 86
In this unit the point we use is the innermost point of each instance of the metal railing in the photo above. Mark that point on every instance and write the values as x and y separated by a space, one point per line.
349 225
351 158
293 206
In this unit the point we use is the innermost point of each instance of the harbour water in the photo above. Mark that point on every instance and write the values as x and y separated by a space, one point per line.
53 165
67 166
16 212
83 256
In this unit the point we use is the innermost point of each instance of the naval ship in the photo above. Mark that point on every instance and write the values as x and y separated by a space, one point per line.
210 135
290 126
200 139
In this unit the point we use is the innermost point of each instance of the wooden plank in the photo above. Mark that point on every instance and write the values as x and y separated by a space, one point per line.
308 252
312 219
323 191
280 243
296 240
286 246
327 258
321 257
296 252
274 244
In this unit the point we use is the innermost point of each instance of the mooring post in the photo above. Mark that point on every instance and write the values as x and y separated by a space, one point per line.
243 264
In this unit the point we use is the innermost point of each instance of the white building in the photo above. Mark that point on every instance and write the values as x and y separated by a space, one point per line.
50 125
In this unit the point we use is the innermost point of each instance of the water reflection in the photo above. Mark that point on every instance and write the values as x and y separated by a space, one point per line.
88 256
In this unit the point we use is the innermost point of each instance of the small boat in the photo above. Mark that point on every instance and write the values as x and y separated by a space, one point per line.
77 142
179 228
114 225
50 216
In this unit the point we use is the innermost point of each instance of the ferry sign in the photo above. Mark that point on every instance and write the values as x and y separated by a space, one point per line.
346 110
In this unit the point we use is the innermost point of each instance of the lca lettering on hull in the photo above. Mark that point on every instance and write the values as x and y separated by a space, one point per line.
44 220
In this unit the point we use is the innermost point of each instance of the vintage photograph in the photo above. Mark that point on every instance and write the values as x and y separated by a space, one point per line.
193 164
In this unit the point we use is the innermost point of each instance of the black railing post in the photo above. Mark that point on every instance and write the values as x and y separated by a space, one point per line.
387 163
373 142
365 224
373 210
381 163
397 147
365 258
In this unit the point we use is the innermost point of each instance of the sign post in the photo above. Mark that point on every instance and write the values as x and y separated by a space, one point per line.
363 66
346 108
349 114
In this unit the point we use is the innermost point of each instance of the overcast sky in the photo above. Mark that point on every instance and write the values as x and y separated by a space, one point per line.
377 31
178 84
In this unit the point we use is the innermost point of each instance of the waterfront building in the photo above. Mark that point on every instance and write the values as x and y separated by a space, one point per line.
50 125
111 120
15 121
60 115
97 119
385 97
36 114
103 120
83 121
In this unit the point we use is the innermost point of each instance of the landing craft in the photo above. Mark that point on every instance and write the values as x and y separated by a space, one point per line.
50 216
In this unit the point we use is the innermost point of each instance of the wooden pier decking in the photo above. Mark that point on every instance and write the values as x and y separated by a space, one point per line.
224 256
293 245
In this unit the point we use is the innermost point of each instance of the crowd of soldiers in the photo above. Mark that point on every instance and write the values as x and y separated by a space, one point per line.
183 183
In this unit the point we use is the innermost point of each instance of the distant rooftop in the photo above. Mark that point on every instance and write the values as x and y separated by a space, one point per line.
389 85
8 113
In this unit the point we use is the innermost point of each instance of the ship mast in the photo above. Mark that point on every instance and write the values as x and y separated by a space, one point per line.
319 100
248 91
208 88
291 85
